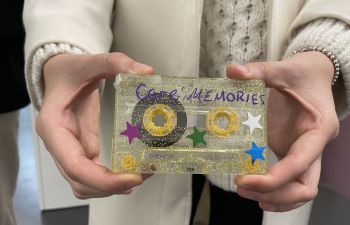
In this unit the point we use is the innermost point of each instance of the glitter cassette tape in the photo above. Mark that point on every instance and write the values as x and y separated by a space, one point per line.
189 125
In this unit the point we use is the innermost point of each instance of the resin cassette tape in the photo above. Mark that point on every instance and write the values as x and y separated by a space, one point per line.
189 125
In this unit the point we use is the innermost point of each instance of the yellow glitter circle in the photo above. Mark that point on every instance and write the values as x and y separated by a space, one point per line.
222 112
250 166
163 110
129 163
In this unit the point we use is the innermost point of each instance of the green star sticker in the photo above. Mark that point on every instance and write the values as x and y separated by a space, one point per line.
197 137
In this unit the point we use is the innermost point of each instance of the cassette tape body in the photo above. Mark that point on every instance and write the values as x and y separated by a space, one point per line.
189 125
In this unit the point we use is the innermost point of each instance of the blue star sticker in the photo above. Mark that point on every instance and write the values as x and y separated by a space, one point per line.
256 152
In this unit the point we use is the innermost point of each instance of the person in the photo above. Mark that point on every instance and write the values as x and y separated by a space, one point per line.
13 95
72 45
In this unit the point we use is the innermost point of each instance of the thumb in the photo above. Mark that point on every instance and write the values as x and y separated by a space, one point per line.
108 65
89 70
272 73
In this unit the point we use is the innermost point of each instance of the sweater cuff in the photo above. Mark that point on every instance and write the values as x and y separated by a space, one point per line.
225 181
334 35
35 81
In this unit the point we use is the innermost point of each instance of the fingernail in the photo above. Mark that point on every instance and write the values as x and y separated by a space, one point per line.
128 192
242 182
139 67
242 68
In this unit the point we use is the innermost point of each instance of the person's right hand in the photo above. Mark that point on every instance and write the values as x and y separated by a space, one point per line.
69 119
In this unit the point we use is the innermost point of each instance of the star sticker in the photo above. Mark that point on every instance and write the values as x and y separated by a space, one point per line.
256 152
132 131
197 137
253 122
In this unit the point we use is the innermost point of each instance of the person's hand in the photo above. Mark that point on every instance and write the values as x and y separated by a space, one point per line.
301 120
69 118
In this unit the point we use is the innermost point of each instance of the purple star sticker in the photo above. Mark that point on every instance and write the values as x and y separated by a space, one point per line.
132 131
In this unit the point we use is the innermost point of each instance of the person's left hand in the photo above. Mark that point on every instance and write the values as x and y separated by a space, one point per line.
301 120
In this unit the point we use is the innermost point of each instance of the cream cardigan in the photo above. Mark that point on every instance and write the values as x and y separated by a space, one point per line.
170 43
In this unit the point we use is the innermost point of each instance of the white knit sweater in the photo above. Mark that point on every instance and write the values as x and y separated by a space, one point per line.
233 31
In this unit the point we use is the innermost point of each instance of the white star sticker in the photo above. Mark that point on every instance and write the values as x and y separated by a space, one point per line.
253 122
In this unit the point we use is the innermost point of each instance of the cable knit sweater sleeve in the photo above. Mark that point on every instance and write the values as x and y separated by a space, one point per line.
34 79
334 35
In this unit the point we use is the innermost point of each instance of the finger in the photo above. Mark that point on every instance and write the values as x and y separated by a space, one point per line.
83 72
87 195
272 73
279 208
127 192
145 176
93 68
84 192
87 114
291 194
304 151
79 190
102 179
80 169
94 195
108 65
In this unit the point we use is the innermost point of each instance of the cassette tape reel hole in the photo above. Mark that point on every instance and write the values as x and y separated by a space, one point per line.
159 120
163 120
222 121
